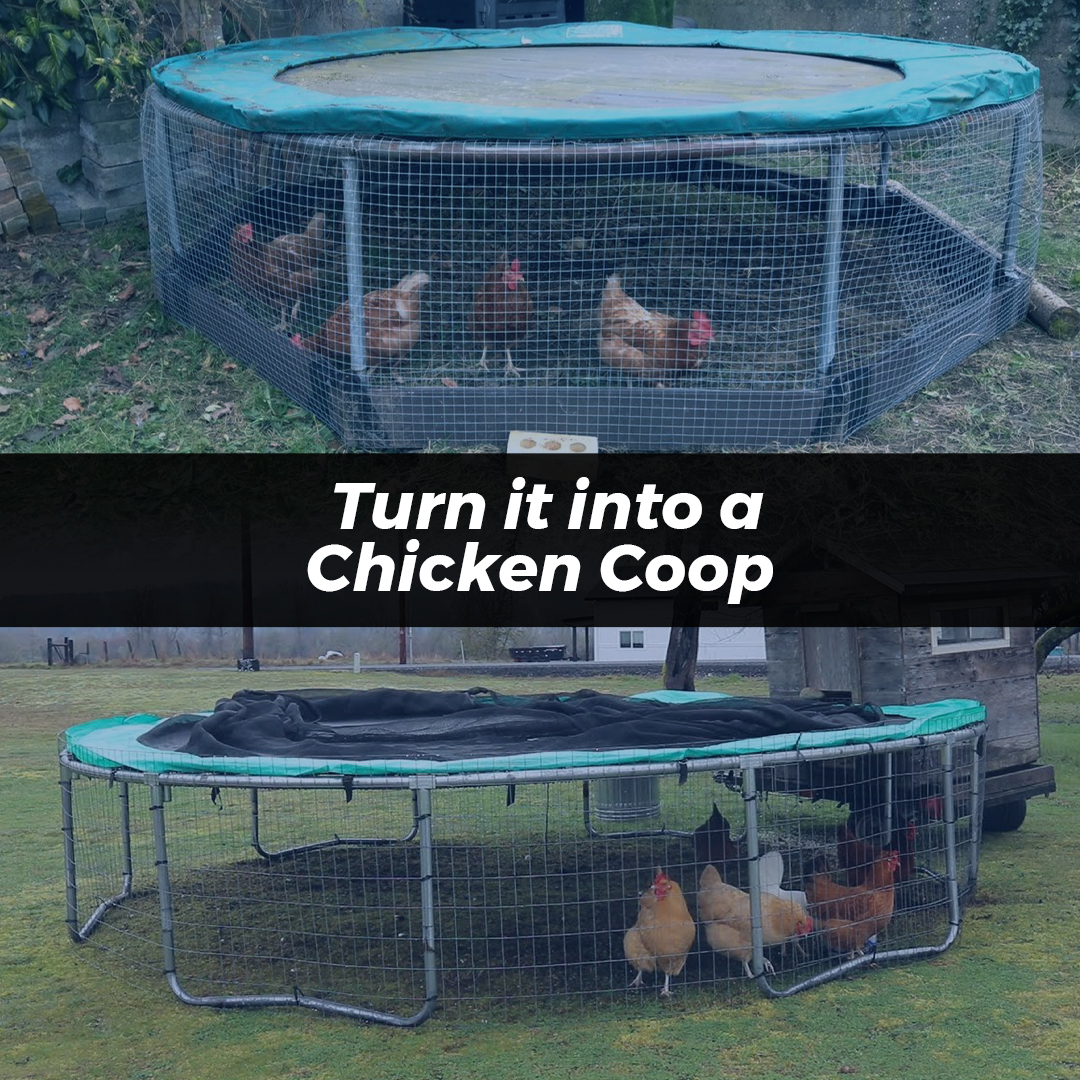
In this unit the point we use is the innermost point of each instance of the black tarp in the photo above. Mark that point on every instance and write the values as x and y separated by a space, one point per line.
369 725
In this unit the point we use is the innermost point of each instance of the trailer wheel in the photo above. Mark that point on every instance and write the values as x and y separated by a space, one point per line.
1005 817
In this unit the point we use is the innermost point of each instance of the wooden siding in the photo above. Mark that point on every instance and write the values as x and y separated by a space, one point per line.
897 666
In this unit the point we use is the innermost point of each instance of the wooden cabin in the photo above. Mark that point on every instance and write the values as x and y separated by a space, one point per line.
956 634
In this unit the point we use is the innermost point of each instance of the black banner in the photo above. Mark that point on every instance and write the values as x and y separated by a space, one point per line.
488 540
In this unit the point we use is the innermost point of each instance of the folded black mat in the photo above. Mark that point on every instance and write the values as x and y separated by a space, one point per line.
447 726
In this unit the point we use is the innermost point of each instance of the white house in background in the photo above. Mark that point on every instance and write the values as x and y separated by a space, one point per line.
634 644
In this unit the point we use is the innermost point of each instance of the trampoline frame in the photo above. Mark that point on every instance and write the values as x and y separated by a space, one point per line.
833 406
421 787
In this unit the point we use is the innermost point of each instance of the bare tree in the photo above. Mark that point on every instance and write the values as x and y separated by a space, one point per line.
1048 638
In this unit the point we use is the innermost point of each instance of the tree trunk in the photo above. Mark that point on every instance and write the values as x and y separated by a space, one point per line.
680 664
1049 640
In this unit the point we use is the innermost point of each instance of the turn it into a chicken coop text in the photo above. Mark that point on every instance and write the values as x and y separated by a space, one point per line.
530 513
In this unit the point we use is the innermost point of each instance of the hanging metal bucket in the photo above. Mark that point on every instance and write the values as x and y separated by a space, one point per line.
628 798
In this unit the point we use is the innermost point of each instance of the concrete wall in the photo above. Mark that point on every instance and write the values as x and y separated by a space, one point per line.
966 23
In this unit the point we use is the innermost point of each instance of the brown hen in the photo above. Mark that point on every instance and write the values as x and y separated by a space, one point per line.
391 324
848 916
502 312
281 271
649 343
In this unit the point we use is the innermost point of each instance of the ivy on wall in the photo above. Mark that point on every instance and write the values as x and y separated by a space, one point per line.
1020 25
1072 57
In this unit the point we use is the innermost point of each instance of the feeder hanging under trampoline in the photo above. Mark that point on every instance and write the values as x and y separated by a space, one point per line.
819 224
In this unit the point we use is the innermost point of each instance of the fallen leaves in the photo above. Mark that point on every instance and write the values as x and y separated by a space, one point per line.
39 317
216 410
5 390
139 414
114 380
86 350
74 406
126 293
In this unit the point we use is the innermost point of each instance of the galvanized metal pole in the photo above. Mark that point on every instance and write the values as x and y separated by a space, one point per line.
424 785
948 768
158 798
354 265
1021 140
68 818
749 787
830 267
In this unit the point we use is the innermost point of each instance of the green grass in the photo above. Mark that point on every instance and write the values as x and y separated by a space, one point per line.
1001 1003
79 325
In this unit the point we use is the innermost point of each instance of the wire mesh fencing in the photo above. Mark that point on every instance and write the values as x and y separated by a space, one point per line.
675 294
517 895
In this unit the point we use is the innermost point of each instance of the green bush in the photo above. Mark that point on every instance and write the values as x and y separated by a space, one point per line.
45 45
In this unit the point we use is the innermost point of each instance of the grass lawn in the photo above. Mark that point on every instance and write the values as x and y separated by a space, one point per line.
89 363
1001 1003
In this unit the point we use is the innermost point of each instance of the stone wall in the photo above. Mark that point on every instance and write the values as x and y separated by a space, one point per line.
102 137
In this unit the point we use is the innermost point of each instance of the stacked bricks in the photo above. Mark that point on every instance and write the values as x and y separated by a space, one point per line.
23 205
112 154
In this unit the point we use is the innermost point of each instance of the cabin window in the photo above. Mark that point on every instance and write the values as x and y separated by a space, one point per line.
965 629
631 639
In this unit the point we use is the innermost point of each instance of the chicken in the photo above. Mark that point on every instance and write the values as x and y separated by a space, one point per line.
724 912
649 343
849 916
391 324
859 845
502 311
278 271
663 934
771 872
713 844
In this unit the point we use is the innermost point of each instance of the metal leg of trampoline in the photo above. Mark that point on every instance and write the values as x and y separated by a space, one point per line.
948 770
354 264
757 944
163 153
337 841
159 797
884 163
978 763
830 269
81 933
1021 140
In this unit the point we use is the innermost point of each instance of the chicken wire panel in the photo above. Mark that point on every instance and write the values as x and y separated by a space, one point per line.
688 293
112 887
534 886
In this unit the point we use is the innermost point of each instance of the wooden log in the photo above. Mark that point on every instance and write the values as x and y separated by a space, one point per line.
1049 312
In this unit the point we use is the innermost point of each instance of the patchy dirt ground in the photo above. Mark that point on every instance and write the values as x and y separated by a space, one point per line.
89 362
